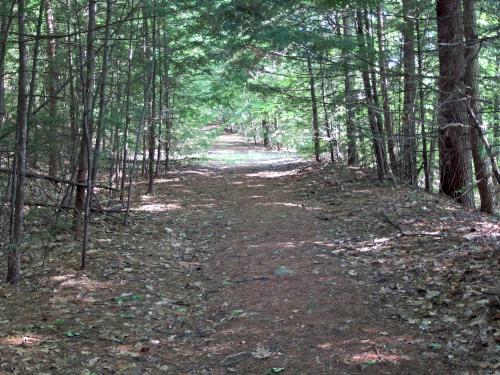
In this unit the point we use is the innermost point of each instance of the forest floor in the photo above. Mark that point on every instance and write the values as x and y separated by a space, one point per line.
255 262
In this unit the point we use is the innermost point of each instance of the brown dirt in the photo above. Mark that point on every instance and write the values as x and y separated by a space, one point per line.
190 286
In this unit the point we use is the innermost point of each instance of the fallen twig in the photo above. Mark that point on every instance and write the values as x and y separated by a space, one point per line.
249 280
56 179
392 222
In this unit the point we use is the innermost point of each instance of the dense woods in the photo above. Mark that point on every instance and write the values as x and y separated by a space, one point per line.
94 96
249 186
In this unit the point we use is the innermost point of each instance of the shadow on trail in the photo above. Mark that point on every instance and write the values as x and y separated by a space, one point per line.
276 295
229 267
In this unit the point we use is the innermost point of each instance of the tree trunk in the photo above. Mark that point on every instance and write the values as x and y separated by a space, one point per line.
276 129
32 82
160 117
375 99
496 114
5 22
127 116
14 256
314 108
266 133
382 65
421 100
149 75
481 165
85 174
327 124
349 97
152 120
102 91
372 118
168 126
52 79
408 142
455 171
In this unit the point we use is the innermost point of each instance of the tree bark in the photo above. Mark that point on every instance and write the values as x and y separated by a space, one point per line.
314 109
382 65
408 142
102 91
352 151
455 170
52 80
496 109
481 165
266 133
14 256
5 22
327 124
149 75
87 123
127 116
152 120
372 118
421 99
168 114
375 99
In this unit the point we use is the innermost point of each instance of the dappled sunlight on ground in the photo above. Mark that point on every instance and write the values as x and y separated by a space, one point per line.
242 266
158 207
272 174
204 173
286 204
24 341
83 282
378 356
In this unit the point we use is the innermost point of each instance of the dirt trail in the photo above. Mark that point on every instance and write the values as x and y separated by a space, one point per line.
225 269
275 287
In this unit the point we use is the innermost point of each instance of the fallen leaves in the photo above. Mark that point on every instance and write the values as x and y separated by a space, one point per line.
439 274
261 352
275 370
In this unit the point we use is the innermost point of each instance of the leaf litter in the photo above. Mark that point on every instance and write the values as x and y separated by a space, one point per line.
395 281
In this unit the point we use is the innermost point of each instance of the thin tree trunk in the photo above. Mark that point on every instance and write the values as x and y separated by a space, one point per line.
327 125
87 123
372 118
82 150
314 109
34 65
375 99
496 109
352 151
14 256
73 100
127 117
278 143
33 80
421 100
160 117
481 165
147 94
5 22
170 126
382 65
52 80
266 132
102 91
152 120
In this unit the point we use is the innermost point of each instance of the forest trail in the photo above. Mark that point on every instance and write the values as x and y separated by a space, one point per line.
253 263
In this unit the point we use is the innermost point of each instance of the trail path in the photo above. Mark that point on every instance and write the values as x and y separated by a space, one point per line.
249 264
